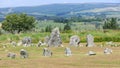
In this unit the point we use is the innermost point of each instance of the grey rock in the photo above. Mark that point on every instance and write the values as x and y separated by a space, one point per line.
39 44
107 51
26 41
91 53
90 41
23 53
47 52
13 43
68 51
11 55
74 41
55 39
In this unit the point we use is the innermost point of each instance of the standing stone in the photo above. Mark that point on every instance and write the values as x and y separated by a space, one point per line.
11 55
68 51
90 41
26 41
23 53
74 41
47 52
55 39
107 51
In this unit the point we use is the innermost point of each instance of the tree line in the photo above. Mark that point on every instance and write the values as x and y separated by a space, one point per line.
16 23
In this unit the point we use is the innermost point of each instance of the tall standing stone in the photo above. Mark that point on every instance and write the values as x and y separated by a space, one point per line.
55 39
74 41
90 41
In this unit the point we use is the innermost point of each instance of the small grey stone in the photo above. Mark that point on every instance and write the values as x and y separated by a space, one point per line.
68 51
47 52
91 53
23 53
14 44
26 41
39 44
11 55
107 51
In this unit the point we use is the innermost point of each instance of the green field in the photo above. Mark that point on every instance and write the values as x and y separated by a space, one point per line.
99 36
79 59
101 20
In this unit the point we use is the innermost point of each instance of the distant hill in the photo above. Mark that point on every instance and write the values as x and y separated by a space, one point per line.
67 10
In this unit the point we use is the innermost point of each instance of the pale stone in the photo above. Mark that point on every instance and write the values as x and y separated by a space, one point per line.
90 41
55 39
74 41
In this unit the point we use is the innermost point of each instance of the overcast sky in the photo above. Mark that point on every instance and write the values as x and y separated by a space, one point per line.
16 3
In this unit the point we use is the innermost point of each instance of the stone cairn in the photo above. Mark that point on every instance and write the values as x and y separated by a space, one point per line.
55 39
107 51
74 41
90 41
68 51
26 41
47 52
23 53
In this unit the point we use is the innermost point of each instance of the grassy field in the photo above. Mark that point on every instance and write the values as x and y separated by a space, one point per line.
75 26
99 36
79 59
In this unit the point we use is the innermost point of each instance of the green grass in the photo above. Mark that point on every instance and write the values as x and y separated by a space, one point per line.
111 35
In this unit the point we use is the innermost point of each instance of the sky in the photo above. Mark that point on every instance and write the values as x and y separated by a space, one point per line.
17 3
